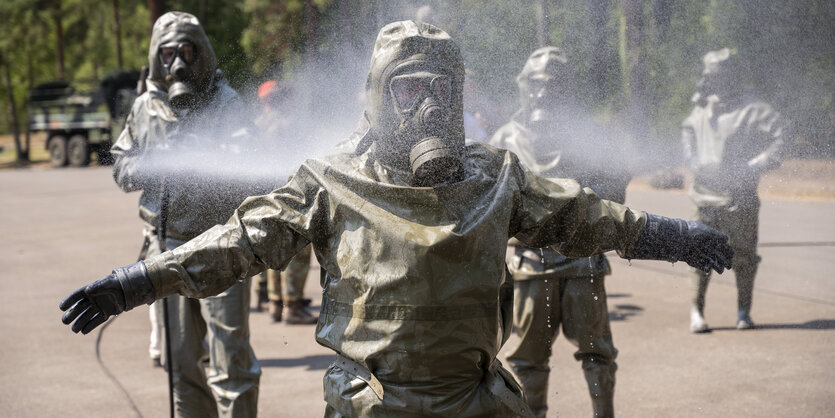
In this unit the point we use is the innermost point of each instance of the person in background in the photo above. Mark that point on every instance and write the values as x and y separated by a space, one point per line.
282 291
554 137
730 139
187 116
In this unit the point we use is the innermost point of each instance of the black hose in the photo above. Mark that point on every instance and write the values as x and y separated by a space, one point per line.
168 359
107 371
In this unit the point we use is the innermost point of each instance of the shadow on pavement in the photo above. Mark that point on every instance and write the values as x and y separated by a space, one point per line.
817 324
622 312
317 362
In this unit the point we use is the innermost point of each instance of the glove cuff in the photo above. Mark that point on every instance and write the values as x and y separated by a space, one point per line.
136 285
661 239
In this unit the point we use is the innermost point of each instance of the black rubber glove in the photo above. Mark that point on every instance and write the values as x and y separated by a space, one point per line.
122 290
678 240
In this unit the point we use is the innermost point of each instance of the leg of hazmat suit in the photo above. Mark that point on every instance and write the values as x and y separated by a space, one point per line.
155 311
536 316
222 321
742 229
293 279
234 372
294 276
740 222
540 306
585 323
276 304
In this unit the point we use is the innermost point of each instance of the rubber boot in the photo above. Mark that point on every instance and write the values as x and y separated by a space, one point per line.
297 314
276 308
698 289
600 378
534 383
745 273
261 301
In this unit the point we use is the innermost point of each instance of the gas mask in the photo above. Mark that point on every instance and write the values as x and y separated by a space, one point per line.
415 102
423 102
181 59
545 88
177 59
720 76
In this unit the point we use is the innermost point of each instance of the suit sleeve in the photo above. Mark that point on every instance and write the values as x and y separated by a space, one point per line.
571 219
264 232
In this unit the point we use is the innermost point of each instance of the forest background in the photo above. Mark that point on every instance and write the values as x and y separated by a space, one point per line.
638 60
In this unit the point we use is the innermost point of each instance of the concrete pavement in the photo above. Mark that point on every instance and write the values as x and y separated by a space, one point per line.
63 228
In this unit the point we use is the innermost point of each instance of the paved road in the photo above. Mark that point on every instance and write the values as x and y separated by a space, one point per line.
62 228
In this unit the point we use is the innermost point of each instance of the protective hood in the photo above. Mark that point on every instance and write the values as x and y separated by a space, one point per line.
402 49
720 76
545 84
178 28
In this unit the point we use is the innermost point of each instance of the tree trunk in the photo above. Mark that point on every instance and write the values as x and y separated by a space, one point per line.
662 12
311 28
204 10
59 38
311 32
22 153
117 30
543 20
600 49
155 8
636 69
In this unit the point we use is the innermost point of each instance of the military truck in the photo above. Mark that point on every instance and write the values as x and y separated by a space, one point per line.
79 123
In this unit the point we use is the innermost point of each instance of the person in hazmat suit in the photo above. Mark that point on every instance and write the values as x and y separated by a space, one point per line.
282 290
411 229
177 131
553 137
730 139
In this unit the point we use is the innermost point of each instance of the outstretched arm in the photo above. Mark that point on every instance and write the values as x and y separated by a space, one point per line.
577 223
265 231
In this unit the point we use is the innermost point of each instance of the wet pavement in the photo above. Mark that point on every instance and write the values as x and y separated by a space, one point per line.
63 228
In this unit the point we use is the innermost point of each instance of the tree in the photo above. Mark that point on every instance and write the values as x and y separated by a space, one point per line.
117 32
635 66
22 152
543 20
58 15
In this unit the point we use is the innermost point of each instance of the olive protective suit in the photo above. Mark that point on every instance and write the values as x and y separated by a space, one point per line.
161 152
553 138
416 303
416 300
729 140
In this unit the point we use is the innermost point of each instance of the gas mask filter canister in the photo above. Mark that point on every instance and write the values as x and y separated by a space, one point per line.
423 102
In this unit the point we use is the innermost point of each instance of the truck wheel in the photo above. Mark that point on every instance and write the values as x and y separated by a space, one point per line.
58 151
78 153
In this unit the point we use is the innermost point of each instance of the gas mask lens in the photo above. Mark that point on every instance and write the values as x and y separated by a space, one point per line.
409 90
169 53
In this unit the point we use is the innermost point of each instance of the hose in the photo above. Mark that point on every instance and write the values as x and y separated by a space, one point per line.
107 371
